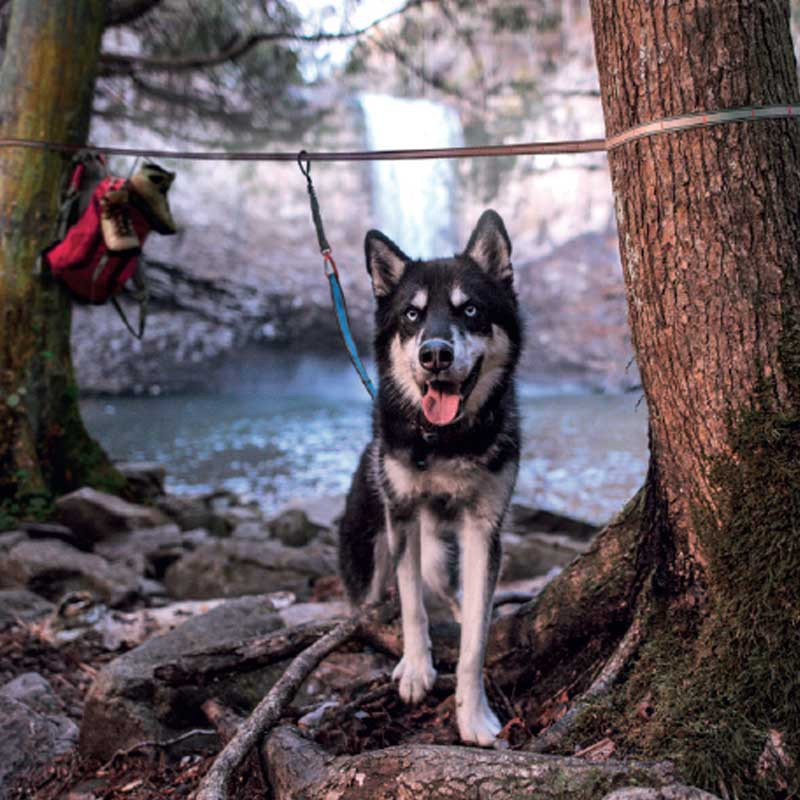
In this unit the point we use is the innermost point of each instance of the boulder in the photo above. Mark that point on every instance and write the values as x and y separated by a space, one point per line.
29 740
21 605
49 530
235 567
158 547
95 516
294 528
52 568
324 510
191 513
145 478
11 538
252 529
127 703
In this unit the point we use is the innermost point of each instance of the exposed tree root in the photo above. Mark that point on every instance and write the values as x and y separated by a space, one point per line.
674 792
299 768
591 600
216 783
581 612
601 685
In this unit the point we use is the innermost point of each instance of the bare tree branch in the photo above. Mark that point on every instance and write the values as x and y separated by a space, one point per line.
216 783
123 12
125 63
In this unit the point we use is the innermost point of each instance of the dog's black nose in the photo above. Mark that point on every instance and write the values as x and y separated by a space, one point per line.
435 355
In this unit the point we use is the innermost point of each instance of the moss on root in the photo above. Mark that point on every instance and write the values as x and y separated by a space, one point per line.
715 681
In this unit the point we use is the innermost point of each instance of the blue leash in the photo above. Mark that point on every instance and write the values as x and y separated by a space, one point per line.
332 274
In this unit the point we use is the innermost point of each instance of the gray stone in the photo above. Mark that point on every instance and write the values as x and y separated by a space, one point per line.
235 567
49 530
325 510
301 613
11 538
191 513
29 740
257 530
294 528
52 568
157 548
34 691
21 605
145 478
194 538
95 516
127 703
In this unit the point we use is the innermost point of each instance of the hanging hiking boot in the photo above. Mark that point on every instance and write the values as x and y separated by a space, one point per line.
149 194
115 222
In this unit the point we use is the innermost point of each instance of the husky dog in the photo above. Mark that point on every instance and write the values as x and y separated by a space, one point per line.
431 489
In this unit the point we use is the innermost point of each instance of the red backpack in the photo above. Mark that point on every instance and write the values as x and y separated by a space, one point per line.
80 259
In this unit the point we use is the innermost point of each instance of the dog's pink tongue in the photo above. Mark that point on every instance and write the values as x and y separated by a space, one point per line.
439 407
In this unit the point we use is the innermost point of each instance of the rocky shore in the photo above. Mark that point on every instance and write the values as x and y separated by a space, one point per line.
121 622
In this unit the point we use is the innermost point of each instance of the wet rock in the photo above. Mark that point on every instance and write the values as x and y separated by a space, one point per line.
234 567
127 703
294 528
94 515
29 740
191 513
21 605
34 691
524 519
51 568
145 478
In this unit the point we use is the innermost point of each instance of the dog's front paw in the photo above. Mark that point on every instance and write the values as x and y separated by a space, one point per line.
416 678
479 725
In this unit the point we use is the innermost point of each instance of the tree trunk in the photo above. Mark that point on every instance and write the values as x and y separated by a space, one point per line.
46 87
708 230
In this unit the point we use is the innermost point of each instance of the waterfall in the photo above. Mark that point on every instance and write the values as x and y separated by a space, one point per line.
413 201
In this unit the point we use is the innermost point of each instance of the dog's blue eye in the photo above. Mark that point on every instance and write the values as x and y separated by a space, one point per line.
412 314
470 311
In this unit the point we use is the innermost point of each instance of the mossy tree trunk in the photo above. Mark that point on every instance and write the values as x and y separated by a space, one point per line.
46 87
709 231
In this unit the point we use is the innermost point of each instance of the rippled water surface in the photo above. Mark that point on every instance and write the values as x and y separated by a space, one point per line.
299 435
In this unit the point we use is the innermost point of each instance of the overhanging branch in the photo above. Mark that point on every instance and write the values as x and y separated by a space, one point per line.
124 63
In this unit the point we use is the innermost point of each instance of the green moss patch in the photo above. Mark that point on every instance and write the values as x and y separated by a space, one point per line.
716 679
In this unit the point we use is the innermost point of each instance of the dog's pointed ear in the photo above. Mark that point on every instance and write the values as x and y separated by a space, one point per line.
386 262
490 248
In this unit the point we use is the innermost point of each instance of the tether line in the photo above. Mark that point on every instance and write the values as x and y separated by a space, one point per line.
699 119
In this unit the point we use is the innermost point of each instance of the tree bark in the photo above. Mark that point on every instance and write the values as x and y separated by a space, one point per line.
708 230
46 87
